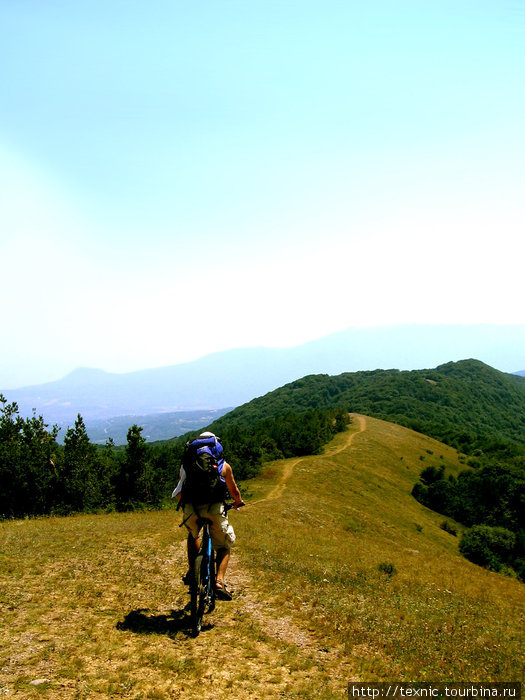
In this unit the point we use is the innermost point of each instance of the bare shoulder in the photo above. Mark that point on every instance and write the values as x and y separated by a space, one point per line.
226 469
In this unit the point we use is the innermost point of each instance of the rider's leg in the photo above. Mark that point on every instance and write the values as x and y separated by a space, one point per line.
193 541
193 545
223 559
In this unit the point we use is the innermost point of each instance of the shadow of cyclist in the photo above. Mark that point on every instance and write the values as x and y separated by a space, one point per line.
141 622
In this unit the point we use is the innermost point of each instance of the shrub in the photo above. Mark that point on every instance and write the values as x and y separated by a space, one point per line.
520 569
431 475
447 527
420 493
387 568
441 496
491 547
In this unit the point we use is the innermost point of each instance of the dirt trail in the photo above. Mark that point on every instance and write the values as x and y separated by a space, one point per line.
273 622
266 653
361 421
278 489
310 651
285 658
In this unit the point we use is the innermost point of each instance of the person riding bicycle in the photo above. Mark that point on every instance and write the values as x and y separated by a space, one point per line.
203 496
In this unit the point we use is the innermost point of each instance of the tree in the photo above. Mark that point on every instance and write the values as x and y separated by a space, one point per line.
27 471
10 427
81 472
491 547
135 478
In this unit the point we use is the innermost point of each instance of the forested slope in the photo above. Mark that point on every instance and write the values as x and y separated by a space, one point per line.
459 402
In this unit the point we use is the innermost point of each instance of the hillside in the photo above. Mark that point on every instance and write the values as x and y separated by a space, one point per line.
339 575
460 400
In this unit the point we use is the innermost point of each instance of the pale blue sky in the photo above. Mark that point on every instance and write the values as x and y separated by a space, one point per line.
289 168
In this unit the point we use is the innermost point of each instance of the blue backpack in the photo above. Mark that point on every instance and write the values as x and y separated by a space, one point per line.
203 462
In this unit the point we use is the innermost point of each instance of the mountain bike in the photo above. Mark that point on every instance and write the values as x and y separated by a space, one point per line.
202 577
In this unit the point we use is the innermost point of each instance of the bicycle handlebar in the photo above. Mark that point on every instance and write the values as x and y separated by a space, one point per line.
229 506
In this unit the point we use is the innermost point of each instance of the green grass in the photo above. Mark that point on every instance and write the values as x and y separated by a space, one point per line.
339 575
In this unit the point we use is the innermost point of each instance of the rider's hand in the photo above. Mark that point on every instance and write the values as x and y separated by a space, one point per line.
239 504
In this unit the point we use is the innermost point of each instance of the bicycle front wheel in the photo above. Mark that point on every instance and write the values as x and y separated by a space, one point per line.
198 595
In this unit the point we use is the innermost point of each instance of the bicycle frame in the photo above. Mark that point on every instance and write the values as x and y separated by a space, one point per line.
202 577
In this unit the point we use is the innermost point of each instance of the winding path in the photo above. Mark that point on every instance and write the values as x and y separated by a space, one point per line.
278 489
270 619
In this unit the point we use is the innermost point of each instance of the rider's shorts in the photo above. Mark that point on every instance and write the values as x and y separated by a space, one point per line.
222 534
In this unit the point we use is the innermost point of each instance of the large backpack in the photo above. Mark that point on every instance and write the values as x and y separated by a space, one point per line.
203 462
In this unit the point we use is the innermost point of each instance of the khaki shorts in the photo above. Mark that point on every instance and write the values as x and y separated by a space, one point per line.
222 534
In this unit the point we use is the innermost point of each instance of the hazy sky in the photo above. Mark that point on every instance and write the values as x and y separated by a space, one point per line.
178 178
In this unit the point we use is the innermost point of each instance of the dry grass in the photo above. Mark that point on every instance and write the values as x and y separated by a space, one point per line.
93 606
438 617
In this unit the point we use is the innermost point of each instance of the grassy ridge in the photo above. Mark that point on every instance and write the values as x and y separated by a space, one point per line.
438 617
93 605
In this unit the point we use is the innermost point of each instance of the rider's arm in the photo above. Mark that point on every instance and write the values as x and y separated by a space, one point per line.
227 473
182 477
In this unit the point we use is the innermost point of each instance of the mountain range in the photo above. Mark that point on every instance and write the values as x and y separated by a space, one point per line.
234 377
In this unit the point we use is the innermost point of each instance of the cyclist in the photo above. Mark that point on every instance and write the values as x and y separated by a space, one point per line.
222 533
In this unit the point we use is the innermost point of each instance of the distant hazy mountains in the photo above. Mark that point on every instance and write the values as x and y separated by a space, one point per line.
234 377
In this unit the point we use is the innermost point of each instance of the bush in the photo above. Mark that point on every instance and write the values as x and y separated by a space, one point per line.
447 527
519 566
491 547
441 496
431 475
387 568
